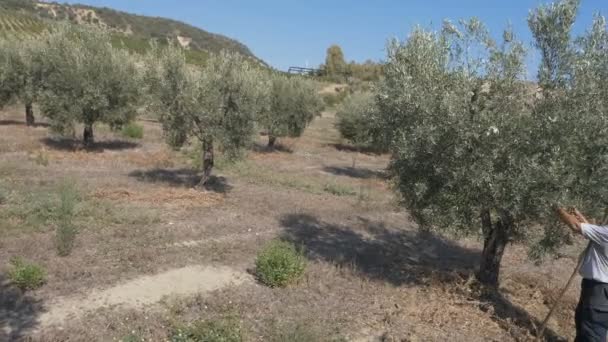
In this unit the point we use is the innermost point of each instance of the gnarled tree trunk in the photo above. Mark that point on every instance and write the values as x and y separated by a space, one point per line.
29 115
271 140
496 236
207 162
87 136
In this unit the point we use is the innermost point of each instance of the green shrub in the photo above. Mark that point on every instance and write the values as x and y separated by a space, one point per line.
225 330
279 263
133 130
25 275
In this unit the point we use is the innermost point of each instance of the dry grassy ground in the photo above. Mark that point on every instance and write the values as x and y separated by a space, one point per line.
152 253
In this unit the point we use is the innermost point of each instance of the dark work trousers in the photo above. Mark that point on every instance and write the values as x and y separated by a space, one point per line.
592 312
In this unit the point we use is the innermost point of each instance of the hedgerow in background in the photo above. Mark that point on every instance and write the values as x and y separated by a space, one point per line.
86 80
291 104
216 105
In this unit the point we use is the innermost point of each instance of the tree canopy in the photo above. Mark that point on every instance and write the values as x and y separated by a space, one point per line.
86 80
475 149
292 103
216 105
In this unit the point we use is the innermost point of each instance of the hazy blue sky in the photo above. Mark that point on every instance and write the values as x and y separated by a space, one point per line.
290 32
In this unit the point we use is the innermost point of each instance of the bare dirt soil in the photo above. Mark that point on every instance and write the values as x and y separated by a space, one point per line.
152 253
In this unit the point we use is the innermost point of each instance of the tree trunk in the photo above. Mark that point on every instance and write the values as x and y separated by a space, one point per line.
29 115
207 162
87 136
271 140
496 237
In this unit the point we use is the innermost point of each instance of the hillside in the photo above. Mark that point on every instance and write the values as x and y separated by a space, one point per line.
134 31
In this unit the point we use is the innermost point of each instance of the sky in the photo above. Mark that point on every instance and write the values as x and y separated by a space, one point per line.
288 33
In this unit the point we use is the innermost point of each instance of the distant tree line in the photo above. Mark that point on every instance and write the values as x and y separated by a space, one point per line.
337 69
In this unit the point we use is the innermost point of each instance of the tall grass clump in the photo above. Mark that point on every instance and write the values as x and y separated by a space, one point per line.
279 264
66 231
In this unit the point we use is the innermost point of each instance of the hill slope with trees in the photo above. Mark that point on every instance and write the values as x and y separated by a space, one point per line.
132 30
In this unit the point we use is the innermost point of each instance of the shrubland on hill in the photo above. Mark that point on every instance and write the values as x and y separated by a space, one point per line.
25 17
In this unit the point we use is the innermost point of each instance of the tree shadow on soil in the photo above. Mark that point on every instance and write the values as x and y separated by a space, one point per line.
181 178
18 312
263 148
355 172
68 144
21 123
350 148
401 257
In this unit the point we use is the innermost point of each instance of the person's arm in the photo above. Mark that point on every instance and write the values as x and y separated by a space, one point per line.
595 233
570 220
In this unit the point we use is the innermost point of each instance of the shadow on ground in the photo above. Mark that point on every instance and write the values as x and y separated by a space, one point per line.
68 144
21 123
181 178
18 312
401 257
355 172
350 148
263 148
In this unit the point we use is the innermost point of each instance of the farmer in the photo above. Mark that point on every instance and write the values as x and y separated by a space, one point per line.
592 311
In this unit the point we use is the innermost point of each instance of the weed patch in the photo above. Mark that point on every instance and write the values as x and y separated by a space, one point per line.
26 275
339 189
279 263
224 330
133 131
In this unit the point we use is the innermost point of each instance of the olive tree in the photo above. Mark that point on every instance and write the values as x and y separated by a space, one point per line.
571 109
475 150
334 61
291 104
216 105
355 119
456 123
87 81
20 74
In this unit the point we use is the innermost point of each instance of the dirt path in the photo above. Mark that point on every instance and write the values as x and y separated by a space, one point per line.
144 291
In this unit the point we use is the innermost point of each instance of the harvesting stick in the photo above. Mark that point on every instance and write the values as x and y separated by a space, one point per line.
540 333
